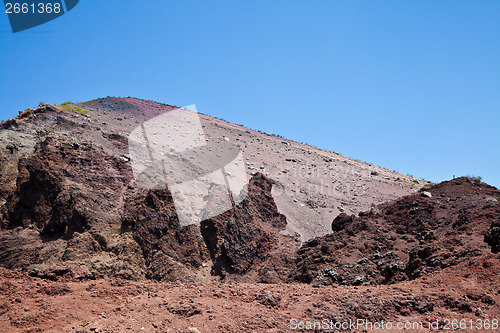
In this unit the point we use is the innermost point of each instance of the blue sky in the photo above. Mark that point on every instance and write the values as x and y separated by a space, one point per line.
409 85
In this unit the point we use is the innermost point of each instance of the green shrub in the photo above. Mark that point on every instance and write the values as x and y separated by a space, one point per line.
81 111
69 107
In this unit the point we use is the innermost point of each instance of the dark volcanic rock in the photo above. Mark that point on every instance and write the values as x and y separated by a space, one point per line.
170 250
341 221
239 241
67 197
492 237
62 187
248 238
406 239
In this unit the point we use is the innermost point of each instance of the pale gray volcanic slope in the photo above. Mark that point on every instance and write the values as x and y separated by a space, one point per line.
312 186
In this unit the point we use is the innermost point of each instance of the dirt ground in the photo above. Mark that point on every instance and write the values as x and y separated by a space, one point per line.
469 291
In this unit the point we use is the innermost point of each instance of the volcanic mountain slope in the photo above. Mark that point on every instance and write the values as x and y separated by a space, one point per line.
311 184
76 227
68 196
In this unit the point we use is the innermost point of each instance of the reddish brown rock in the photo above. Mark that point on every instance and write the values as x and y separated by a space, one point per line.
406 239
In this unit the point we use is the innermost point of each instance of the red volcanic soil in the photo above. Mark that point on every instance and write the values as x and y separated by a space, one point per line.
468 291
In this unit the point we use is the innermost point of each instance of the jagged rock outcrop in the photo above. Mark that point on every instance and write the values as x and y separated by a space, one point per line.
411 237
247 240
74 202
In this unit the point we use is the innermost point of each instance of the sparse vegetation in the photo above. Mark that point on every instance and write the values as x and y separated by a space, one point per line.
82 111
69 106
93 100
478 178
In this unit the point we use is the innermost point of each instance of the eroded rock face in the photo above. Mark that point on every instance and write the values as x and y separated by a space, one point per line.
242 242
75 203
66 207
407 239
74 200
171 252
247 241
65 187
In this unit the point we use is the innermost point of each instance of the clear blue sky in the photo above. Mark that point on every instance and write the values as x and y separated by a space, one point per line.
408 85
